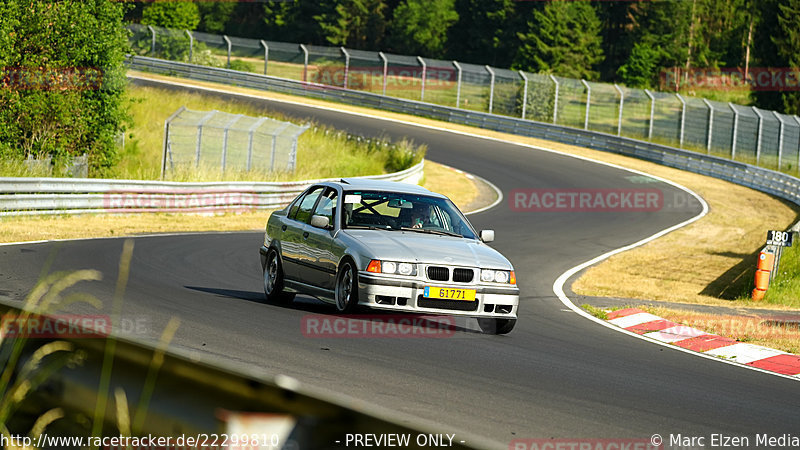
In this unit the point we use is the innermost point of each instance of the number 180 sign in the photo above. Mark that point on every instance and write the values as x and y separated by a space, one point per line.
780 238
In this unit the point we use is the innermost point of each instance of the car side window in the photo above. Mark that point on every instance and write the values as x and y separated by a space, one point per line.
327 205
305 205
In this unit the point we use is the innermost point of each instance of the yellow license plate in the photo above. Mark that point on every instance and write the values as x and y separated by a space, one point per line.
449 293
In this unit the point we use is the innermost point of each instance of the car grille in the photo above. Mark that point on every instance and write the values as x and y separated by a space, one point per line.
462 275
438 273
456 305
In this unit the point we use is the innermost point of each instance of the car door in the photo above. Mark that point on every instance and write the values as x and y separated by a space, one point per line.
293 243
320 269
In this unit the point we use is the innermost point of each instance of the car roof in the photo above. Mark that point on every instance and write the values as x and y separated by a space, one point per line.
367 184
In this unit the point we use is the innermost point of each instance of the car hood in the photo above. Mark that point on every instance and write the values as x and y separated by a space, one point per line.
413 246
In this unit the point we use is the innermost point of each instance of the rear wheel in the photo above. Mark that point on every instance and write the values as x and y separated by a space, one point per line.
346 288
497 326
273 280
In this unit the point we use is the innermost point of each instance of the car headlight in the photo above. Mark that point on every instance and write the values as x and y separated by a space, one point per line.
498 276
392 267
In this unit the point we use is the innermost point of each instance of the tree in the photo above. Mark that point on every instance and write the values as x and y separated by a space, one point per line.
421 26
179 15
484 32
563 39
214 16
788 44
65 95
641 69
358 24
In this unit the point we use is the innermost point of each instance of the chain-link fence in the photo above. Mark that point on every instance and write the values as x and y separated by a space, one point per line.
737 132
213 140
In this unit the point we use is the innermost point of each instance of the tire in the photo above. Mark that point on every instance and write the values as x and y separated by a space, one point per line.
273 280
497 326
346 288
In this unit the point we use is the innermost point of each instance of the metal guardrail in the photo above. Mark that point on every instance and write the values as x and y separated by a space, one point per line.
765 180
33 196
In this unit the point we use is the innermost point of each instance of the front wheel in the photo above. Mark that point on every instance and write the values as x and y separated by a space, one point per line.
346 288
273 280
497 326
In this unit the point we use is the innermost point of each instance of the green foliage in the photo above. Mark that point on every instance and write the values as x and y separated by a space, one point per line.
788 43
241 65
564 38
353 23
63 95
178 15
641 69
421 26
484 32
215 15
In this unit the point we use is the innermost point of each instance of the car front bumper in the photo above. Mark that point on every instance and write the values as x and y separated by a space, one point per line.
406 295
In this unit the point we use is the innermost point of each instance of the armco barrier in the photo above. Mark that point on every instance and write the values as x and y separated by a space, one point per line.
765 180
31 196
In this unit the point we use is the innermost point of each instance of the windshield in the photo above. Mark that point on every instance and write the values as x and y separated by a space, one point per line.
410 212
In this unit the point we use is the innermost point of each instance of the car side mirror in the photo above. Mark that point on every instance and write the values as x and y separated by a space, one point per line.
487 235
320 221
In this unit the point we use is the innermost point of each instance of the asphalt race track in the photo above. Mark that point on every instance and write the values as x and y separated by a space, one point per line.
557 375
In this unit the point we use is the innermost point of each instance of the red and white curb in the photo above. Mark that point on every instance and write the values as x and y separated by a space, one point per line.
648 325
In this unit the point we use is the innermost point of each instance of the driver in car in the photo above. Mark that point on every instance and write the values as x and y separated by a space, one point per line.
420 215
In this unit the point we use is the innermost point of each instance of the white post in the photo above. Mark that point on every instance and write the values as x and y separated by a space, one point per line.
251 133
424 74
275 144
225 140
710 125
166 139
305 62
524 93
191 44
797 119
228 41
385 70
266 56
555 101
683 119
200 136
458 84
652 114
760 134
735 129
780 138
621 104
491 87
588 103
346 65
153 42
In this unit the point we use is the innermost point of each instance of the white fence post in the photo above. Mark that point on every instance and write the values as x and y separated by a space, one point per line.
230 45
524 92
760 134
305 62
555 101
735 129
621 105
225 139
153 41
385 70
191 45
424 75
200 124
710 125
250 134
683 119
588 104
652 114
458 84
166 139
266 54
491 87
346 64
